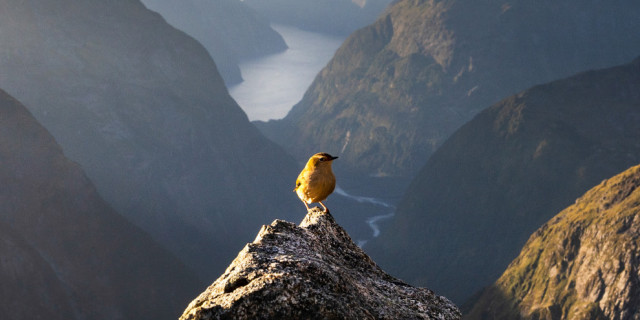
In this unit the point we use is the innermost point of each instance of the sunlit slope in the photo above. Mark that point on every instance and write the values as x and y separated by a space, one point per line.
398 88
506 172
582 264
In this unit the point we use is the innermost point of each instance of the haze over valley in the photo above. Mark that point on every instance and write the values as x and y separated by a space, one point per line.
274 83
485 149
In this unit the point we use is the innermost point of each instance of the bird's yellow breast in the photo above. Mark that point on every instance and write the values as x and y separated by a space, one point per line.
315 184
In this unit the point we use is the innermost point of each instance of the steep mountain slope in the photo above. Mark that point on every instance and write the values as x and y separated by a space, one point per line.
141 107
582 264
397 89
328 16
30 288
505 173
65 254
229 30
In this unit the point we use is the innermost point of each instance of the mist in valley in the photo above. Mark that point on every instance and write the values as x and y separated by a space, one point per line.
461 128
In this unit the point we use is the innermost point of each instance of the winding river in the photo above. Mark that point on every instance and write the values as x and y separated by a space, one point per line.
274 84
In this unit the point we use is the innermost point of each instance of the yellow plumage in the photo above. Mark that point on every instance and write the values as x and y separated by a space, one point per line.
316 181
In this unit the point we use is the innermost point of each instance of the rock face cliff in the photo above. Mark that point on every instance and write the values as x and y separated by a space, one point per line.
230 30
141 107
64 252
582 264
312 271
508 171
396 90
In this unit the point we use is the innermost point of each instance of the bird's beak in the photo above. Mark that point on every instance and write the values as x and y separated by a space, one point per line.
333 158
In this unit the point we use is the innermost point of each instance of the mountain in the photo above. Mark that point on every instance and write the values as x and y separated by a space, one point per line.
395 90
230 30
141 107
65 253
312 271
582 264
328 16
505 173
30 288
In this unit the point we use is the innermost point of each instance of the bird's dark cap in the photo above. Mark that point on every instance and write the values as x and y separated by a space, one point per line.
326 156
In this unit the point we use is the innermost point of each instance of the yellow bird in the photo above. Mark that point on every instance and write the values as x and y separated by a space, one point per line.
316 181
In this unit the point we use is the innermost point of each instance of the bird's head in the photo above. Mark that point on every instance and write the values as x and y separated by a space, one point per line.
321 159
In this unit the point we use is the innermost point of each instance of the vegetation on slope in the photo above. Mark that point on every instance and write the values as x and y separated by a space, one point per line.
582 264
398 88
505 173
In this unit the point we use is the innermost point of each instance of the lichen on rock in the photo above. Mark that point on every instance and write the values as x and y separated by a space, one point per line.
312 271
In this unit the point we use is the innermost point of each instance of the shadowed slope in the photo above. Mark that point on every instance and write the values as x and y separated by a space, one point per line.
141 106
398 88
229 29
505 173
65 253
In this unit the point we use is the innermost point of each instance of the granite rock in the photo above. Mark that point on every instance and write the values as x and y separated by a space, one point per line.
312 271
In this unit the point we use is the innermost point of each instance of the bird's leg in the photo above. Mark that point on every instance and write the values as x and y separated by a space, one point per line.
325 208
306 205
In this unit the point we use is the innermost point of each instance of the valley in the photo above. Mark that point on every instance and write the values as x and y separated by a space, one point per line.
143 145
273 84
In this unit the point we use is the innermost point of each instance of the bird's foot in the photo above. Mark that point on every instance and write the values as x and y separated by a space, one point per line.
326 210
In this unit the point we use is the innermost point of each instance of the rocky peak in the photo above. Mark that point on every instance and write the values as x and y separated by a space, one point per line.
311 271
582 264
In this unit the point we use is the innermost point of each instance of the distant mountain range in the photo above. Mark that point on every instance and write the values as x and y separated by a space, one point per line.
582 264
327 16
397 89
142 108
230 30
506 172
65 253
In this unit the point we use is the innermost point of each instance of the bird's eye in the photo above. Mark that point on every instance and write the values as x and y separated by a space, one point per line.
323 159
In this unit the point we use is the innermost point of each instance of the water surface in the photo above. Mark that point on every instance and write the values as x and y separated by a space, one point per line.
273 84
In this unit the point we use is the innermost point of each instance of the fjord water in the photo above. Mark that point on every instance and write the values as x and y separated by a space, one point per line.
273 84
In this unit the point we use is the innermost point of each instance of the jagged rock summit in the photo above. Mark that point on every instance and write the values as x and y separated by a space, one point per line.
312 271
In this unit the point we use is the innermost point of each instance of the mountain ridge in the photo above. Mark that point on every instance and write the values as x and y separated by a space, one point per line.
64 249
230 30
141 106
581 264
506 172
439 63
339 17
